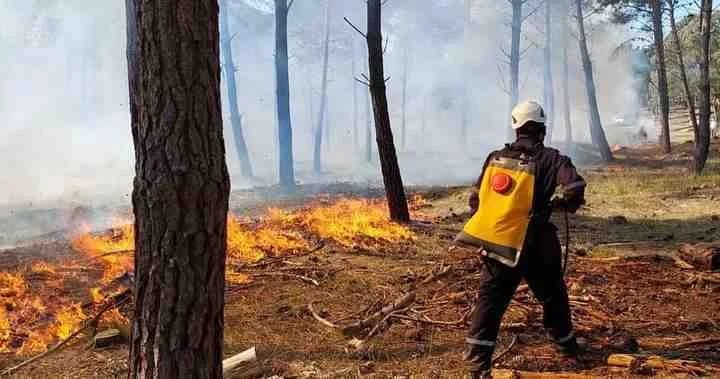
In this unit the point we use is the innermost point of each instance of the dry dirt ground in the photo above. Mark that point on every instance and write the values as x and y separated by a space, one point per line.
625 287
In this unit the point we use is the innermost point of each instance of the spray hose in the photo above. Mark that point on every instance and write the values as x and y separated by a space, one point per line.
567 241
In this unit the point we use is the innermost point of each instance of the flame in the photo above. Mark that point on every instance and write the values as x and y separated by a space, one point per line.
349 222
68 320
33 316
107 247
96 295
4 330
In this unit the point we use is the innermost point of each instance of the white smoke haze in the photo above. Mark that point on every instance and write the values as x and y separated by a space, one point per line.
63 79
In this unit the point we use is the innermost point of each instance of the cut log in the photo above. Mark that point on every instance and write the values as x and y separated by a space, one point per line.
236 360
703 256
622 360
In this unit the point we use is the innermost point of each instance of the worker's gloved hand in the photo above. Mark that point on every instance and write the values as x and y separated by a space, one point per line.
558 203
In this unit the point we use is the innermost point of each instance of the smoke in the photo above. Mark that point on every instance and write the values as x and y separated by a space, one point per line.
66 134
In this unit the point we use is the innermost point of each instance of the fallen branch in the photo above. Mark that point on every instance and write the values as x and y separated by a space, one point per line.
291 276
701 341
321 319
399 303
118 300
236 360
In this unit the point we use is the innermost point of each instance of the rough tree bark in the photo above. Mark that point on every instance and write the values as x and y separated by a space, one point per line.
566 78
662 85
231 87
689 100
282 83
702 147
394 190
317 149
548 90
181 189
596 131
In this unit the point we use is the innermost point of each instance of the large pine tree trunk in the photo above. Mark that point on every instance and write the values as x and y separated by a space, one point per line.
394 190
282 83
548 90
702 147
317 150
689 101
662 85
181 189
566 79
516 30
230 85
596 131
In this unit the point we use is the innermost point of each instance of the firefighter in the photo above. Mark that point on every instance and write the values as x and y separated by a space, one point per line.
515 193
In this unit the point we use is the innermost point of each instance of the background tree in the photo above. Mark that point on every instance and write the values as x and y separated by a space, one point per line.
181 189
662 84
231 87
395 192
548 86
647 16
596 130
467 51
322 112
565 39
689 100
702 147
282 83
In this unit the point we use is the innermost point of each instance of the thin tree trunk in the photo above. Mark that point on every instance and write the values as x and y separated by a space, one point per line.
566 80
548 93
404 99
231 87
368 126
515 54
355 98
282 82
394 190
467 50
181 189
702 147
689 101
317 152
662 84
596 131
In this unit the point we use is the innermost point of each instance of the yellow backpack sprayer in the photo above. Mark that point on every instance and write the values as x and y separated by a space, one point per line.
505 198
500 225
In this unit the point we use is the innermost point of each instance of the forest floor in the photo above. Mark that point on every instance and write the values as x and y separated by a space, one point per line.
624 284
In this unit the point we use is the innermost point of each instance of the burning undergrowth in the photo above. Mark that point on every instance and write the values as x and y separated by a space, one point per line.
44 302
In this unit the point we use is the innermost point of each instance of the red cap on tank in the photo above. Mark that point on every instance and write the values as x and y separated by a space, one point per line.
501 182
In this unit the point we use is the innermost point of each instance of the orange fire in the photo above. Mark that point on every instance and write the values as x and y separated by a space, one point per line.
351 222
37 310
111 248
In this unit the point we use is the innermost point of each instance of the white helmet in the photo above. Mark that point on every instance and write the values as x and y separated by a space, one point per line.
527 111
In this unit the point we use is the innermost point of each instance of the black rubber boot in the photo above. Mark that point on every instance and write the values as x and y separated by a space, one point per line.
569 349
479 361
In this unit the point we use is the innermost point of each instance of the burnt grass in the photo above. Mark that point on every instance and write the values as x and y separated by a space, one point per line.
628 294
